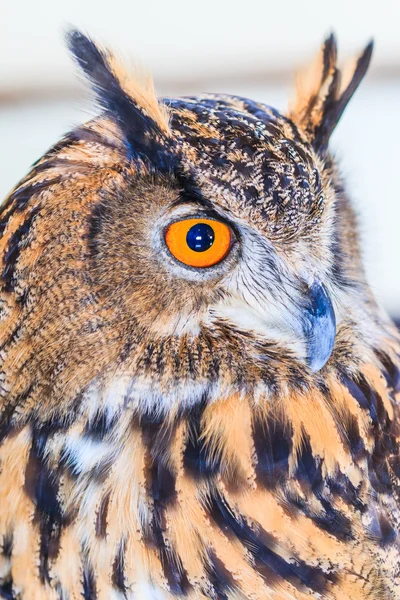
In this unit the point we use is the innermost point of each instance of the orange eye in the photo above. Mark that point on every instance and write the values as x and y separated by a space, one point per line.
199 242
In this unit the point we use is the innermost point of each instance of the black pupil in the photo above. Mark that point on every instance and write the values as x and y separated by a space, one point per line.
200 237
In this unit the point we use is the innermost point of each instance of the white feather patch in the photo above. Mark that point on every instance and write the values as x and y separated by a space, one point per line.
146 591
85 453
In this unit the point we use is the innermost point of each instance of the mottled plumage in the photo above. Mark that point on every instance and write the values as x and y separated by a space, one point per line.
229 432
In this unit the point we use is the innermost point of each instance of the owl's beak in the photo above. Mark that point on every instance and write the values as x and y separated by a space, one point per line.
319 326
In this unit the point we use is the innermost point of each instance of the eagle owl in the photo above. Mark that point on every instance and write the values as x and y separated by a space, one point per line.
198 389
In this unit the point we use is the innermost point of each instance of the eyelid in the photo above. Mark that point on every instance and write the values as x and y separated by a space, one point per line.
206 216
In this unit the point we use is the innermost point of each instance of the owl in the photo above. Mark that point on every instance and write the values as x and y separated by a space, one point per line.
197 387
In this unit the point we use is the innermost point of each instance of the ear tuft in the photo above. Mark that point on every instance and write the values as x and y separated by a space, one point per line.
127 98
322 92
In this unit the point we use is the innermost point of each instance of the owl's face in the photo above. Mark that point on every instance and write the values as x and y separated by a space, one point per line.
238 237
185 245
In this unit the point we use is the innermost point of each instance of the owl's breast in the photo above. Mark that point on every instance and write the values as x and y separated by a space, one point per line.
226 500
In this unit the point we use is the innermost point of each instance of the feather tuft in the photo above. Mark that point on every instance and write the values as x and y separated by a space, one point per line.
128 98
322 92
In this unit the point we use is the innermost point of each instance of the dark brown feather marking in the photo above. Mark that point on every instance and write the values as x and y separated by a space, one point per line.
260 545
14 248
20 198
6 590
118 573
41 485
7 545
390 370
89 588
157 437
197 460
101 518
273 445
220 578
308 473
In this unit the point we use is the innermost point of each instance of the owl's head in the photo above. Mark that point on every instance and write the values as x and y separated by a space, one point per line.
177 248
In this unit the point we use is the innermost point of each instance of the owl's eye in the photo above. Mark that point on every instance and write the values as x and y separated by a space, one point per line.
199 242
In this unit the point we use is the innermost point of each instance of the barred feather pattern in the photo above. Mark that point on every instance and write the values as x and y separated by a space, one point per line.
287 500
140 459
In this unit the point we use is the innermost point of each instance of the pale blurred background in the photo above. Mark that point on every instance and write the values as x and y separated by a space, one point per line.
248 47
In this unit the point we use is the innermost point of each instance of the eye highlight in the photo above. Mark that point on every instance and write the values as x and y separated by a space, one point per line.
199 242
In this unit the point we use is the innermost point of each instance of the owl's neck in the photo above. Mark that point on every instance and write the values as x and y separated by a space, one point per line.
138 498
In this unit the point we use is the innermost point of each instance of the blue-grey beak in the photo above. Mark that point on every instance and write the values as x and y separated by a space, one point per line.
319 326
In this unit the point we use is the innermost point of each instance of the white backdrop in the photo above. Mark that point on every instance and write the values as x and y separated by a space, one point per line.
183 39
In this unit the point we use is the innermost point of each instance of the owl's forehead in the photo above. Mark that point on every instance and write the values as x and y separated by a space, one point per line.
234 124
249 158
